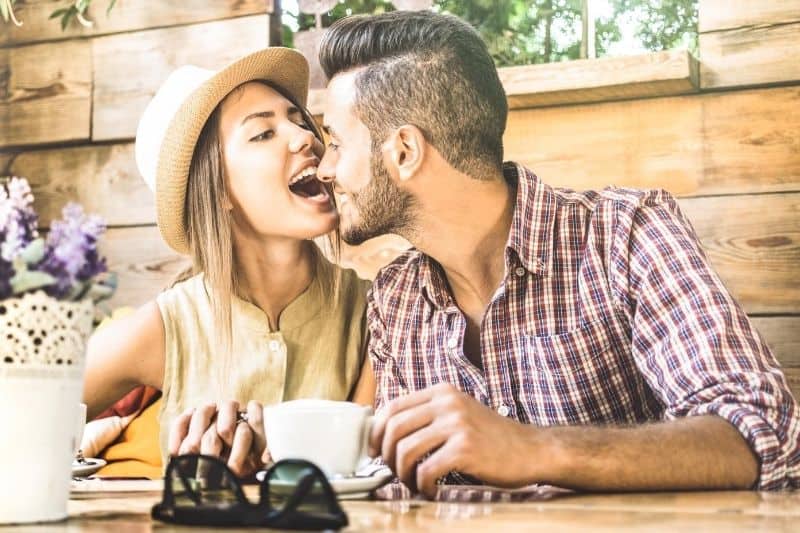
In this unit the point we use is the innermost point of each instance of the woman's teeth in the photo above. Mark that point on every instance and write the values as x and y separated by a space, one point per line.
306 172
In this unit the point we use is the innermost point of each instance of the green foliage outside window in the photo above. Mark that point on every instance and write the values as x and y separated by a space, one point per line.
543 31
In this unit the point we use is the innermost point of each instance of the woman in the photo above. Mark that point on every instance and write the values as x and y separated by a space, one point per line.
262 317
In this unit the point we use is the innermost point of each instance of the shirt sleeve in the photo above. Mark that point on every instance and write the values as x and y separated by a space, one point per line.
694 344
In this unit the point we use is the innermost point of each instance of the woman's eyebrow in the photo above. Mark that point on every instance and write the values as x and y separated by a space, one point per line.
260 114
269 114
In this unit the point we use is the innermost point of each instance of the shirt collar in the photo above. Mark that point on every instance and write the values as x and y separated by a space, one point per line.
433 282
531 235
529 240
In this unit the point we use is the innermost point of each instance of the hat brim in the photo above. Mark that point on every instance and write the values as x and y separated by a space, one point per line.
285 67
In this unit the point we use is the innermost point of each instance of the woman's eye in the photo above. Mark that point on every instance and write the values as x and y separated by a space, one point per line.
304 126
264 136
333 147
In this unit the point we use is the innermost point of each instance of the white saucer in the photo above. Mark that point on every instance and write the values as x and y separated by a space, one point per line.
346 488
88 467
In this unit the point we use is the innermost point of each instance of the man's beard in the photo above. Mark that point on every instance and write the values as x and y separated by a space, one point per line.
382 207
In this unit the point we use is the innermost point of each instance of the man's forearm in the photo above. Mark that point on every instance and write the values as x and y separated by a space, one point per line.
694 453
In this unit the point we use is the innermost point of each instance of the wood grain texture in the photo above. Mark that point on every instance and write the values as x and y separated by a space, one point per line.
718 143
753 55
144 264
126 16
594 80
753 243
129 68
103 178
45 93
655 512
725 14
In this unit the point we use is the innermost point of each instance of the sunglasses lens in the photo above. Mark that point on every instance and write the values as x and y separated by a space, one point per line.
301 487
201 482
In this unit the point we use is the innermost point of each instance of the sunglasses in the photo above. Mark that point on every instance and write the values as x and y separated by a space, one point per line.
202 490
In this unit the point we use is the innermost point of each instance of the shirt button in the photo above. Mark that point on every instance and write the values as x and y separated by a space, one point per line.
274 345
452 343
520 272
503 410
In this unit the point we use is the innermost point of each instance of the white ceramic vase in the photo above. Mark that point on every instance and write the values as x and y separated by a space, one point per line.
42 355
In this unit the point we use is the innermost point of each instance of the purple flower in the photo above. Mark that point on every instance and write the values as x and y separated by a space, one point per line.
71 254
18 220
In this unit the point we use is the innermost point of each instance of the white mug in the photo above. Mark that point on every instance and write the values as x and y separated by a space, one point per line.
39 418
333 435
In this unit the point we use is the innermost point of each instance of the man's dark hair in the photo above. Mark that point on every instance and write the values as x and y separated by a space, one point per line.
426 69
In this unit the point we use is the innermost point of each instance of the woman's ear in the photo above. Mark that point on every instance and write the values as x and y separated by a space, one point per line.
405 150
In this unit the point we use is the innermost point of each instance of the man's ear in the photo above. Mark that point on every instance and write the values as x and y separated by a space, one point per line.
405 150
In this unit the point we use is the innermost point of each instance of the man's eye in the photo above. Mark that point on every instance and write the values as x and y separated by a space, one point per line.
265 136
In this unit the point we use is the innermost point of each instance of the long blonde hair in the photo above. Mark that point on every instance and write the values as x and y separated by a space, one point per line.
210 236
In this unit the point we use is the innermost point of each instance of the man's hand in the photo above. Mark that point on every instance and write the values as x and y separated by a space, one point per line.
217 430
460 434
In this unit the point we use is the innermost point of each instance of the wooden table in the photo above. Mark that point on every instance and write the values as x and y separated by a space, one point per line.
695 512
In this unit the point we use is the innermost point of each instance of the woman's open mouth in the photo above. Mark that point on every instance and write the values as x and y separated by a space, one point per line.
307 185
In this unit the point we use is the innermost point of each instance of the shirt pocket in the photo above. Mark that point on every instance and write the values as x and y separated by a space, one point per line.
579 376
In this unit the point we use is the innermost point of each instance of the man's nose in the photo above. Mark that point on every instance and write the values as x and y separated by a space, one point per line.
326 170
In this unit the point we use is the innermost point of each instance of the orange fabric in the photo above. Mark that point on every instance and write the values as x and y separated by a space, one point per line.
136 452
133 402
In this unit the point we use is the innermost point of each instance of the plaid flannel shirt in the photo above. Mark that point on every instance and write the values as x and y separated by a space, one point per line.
609 313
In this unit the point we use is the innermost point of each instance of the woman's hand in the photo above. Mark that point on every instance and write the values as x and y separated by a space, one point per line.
220 430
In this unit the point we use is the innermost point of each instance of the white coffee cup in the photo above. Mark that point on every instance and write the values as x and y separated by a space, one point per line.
333 435
39 418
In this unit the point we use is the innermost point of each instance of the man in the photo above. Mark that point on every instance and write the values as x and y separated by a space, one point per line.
533 334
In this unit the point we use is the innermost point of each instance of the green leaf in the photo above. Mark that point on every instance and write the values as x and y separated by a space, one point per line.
29 280
34 252
110 6
57 13
66 18
99 292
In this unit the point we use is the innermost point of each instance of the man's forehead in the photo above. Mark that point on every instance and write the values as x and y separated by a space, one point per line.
341 91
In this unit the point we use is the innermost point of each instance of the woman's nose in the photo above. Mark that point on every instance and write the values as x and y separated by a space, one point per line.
303 140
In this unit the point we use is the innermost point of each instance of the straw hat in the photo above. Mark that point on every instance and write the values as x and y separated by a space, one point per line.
172 121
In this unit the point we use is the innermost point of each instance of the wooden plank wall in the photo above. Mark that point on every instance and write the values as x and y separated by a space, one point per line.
731 153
